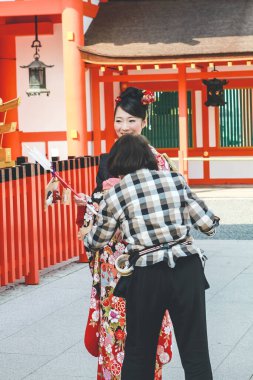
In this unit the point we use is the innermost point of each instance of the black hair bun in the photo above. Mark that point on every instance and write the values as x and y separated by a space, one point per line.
130 101
132 92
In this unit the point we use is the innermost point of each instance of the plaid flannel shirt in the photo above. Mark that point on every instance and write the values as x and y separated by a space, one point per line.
152 208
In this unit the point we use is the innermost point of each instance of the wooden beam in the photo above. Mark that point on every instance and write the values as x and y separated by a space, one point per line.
233 75
90 10
26 29
43 136
138 78
14 103
220 74
28 8
99 59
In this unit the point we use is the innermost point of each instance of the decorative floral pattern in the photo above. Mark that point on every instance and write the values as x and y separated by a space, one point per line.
107 312
148 97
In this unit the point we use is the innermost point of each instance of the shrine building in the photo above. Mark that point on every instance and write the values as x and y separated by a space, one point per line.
92 50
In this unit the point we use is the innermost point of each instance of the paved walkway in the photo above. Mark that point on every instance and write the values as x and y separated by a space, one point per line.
41 327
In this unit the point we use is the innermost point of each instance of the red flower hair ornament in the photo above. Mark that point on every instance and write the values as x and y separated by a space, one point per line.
148 97
118 99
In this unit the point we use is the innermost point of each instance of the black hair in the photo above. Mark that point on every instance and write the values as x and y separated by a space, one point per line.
130 153
130 102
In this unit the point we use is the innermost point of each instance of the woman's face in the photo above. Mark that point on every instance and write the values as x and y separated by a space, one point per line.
124 123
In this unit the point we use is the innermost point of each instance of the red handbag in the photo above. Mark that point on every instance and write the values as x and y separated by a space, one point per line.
91 335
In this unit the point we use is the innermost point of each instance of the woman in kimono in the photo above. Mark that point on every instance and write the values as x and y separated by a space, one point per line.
106 331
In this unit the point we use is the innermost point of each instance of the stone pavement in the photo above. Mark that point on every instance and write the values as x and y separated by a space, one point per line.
41 327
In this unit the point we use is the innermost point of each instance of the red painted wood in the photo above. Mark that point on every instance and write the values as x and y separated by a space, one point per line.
24 8
36 239
26 29
3 232
17 226
42 136
10 232
109 102
95 99
205 134
183 122
222 181
90 10
32 278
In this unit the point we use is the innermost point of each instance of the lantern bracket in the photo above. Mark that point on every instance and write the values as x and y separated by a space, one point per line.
37 69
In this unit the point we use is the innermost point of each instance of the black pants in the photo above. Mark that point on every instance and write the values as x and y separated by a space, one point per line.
153 290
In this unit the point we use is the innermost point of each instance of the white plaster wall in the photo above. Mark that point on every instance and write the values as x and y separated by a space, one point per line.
153 71
86 23
196 169
232 168
58 149
116 89
88 100
42 113
102 106
234 67
212 130
198 118
103 146
90 148
41 146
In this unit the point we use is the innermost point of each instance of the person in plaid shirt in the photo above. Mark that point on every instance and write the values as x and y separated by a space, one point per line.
157 209
105 330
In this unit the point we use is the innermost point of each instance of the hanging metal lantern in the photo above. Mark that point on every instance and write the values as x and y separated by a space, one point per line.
215 92
37 69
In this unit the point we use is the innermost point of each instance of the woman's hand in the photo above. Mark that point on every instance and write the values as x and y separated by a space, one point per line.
83 231
118 235
81 200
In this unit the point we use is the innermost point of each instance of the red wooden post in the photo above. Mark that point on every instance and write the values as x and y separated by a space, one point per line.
58 227
183 127
32 278
9 89
74 77
10 227
205 132
45 178
40 210
3 232
24 223
69 216
18 222
64 223
109 114
73 236
95 98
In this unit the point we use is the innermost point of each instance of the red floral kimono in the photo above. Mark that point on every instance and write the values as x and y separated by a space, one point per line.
106 327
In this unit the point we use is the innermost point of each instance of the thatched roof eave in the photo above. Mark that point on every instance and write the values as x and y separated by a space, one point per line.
126 32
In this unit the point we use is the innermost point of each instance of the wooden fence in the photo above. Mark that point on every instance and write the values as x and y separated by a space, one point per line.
32 239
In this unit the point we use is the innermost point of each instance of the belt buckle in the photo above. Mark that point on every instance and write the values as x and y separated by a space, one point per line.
122 265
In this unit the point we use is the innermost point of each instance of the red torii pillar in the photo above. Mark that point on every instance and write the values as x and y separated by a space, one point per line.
8 89
74 77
